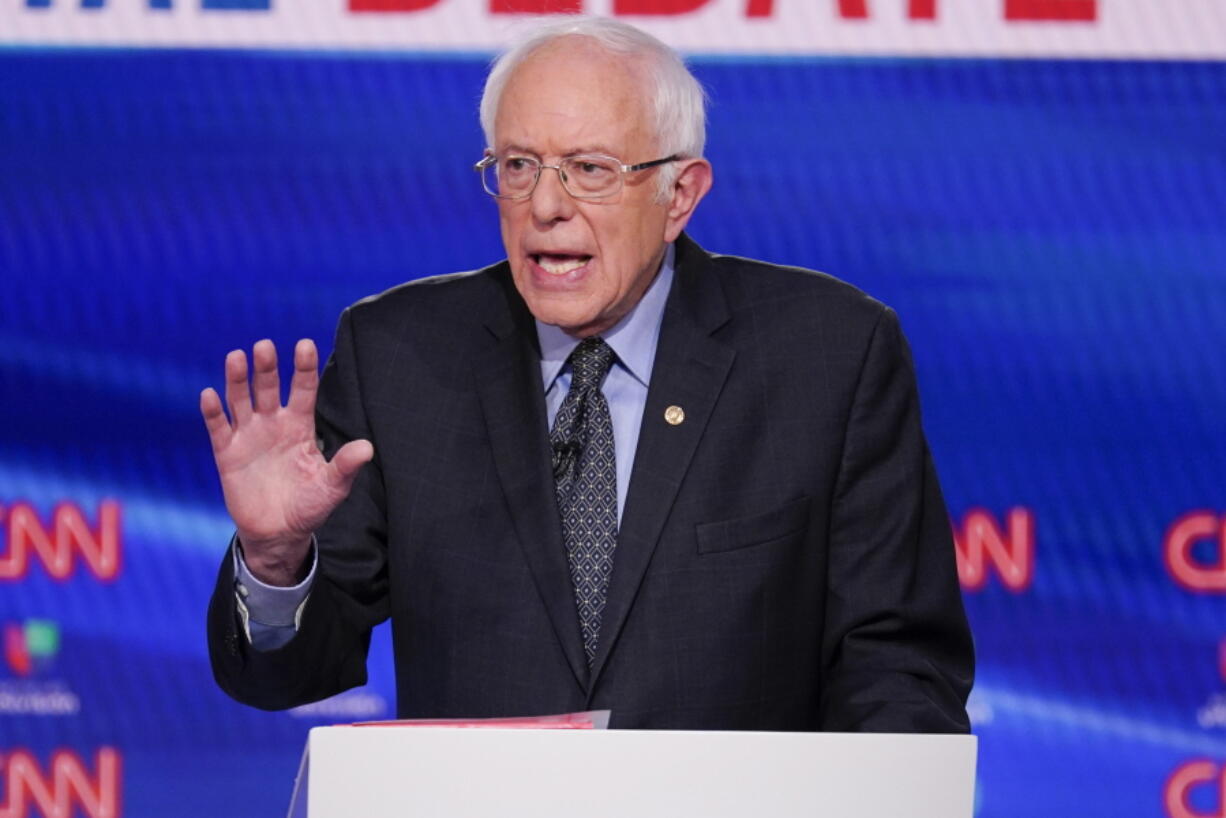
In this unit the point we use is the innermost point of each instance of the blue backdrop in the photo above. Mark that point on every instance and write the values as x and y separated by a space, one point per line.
1050 232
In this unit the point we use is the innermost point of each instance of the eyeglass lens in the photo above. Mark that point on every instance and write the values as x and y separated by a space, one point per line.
584 176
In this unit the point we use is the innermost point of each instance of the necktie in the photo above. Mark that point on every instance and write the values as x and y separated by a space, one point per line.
585 477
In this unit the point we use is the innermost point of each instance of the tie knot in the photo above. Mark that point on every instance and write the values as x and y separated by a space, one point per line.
590 362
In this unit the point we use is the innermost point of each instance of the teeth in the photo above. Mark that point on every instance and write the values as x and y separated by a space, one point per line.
558 267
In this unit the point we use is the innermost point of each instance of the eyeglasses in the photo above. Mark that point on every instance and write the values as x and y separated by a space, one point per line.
587 176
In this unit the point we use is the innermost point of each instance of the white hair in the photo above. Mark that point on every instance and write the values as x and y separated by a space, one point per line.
677 100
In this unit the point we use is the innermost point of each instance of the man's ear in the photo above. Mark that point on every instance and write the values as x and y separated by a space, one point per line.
691 185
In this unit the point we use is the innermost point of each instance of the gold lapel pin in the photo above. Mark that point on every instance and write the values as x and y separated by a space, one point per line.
674 415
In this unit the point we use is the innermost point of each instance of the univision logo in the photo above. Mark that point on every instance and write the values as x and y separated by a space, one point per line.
31 646
29 649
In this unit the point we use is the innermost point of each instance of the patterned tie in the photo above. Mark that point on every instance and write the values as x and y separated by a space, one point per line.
585 476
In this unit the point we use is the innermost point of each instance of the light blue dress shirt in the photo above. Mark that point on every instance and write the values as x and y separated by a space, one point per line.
270 614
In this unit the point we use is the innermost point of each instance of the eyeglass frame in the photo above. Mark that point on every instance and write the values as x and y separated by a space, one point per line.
491 158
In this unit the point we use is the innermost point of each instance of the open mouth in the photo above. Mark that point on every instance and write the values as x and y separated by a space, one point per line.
559 264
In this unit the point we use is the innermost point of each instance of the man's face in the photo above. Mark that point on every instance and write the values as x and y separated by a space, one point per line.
580 264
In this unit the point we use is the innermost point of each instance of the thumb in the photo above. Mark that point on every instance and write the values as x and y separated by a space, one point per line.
349 459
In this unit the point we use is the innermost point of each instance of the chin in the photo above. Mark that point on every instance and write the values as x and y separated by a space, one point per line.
571 324
571 312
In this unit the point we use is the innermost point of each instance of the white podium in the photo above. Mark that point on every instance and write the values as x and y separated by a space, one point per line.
423 772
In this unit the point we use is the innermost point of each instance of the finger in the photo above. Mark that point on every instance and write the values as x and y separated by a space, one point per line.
215 419
305 383
265 382
348 460
238 394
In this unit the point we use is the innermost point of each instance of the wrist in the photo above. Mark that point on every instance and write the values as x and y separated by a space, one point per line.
281 563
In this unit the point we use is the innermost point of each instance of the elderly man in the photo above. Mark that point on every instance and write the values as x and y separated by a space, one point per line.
612 471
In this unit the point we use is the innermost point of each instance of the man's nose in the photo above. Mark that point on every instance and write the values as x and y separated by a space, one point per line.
550 201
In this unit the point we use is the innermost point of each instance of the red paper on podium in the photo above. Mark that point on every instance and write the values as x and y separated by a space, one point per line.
590 720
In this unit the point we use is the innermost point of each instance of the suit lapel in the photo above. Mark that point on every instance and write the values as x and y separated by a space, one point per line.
689 372
508 379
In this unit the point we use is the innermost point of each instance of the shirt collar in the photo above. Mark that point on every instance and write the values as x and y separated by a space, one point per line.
633 338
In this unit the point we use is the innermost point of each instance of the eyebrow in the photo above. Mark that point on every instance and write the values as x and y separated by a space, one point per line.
579 151
519 149
604 149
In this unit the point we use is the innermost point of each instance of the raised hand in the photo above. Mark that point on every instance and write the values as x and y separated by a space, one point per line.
277 485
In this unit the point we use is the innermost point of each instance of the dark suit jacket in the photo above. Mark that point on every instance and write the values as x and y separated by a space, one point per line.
784 560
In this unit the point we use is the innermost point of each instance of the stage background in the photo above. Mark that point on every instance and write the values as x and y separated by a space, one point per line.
1040 197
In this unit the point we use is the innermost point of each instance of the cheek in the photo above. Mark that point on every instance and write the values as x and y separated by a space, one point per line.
620 241
506 224
637 241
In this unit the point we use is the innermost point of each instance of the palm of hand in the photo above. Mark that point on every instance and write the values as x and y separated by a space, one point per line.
278 487
274 478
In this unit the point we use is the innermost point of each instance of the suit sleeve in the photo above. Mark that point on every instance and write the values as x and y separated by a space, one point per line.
349 594
897 650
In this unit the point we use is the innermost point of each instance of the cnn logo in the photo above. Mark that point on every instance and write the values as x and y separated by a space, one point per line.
983 542
57 544
1200 775
1187 565
65 789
